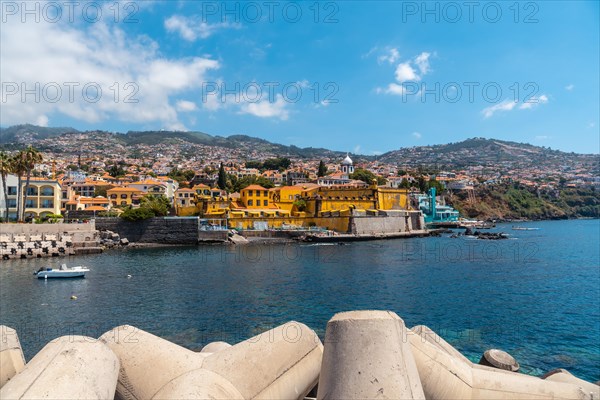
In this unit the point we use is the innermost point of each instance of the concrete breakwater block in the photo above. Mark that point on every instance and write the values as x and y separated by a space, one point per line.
70 367
445 376
282 363
499 359
562 375
12 360
214 347
367 356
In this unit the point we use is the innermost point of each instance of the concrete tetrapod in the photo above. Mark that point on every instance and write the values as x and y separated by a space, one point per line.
445 376
12 360
282 363
367 357
70 367
214 347
562 375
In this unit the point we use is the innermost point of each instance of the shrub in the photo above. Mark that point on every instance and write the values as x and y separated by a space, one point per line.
137 214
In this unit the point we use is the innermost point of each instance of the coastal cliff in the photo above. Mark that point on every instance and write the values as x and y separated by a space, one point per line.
513 201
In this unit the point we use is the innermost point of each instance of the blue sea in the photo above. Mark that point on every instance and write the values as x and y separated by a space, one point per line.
535 295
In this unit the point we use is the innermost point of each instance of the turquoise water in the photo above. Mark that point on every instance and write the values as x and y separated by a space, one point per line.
536 295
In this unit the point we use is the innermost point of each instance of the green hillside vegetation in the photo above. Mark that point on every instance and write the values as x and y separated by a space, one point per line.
513 201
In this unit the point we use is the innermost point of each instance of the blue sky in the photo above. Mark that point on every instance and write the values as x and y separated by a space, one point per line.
365 77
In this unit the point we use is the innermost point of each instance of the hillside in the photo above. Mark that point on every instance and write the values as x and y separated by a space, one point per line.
489 152
58 140
513 201
488 156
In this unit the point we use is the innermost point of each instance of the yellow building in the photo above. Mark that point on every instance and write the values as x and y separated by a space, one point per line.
331 205
255 197
124 196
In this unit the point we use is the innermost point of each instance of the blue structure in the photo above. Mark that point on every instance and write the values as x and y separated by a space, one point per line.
435 212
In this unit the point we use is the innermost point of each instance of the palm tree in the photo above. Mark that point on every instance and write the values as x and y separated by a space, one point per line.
31 157
18 168
5 169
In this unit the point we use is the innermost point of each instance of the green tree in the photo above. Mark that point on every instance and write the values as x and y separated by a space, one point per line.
222 180
100 191
254 164
322 169
300 205
422 184
181 176
439 187
18 168
30 157
6 168
137 214
116 171
279 163
159 205
405 184
366 176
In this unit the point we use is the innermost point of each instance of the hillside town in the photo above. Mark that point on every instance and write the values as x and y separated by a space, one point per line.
89 174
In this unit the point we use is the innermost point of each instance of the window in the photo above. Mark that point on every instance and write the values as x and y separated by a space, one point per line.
12 190
64 195
113 196
266 202
31 203
250 203
265 193
123 196
123 203
47 191
47 204
250 193
12 203
32 191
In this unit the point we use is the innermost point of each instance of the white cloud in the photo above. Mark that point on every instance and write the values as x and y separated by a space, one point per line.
506 105
416 135
137 82
534 101
391 56
411 70
542 137
591 124
422 61
191 29
569 87
376 152
394 88
404 72
267 109
356 149
42 120
186 106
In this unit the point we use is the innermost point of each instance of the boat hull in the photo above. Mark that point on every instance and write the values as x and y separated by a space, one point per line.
60 274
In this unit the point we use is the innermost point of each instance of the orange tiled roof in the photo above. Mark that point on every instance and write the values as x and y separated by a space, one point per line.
124 189
254 187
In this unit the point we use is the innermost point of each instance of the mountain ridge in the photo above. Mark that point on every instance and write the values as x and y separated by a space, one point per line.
469 152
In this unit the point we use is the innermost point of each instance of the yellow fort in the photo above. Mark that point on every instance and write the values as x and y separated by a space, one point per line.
336 203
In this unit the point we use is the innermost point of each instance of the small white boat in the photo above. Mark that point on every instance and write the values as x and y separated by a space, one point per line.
62 272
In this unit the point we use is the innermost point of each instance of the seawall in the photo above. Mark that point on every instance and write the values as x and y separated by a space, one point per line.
47 240
154 230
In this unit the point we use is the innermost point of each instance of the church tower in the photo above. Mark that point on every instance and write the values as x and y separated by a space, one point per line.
347 167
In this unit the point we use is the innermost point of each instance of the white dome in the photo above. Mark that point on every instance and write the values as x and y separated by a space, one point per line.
347 160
